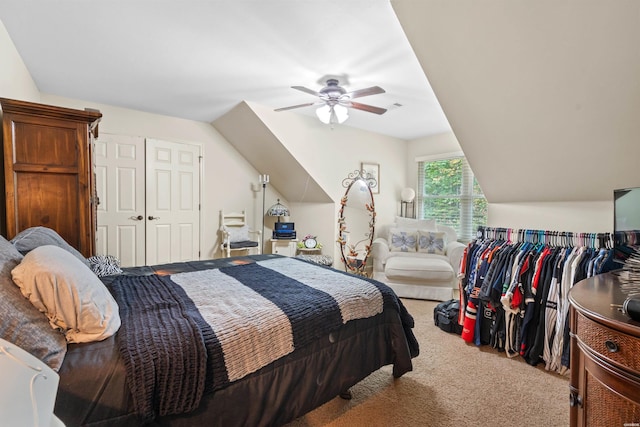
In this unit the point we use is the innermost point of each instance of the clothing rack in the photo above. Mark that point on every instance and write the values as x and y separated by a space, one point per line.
514 286
547 237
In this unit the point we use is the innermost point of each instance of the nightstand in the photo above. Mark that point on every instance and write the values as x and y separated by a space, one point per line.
286 247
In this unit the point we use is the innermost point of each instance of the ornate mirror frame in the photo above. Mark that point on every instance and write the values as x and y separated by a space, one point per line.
355 255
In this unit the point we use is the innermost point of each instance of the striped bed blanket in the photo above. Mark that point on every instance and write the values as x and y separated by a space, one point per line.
189 333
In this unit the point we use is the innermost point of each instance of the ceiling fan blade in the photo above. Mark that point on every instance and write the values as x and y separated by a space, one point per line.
306 90
308 104
369 108
373 90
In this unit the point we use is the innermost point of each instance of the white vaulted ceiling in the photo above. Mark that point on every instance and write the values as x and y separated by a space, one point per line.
197 59
543 96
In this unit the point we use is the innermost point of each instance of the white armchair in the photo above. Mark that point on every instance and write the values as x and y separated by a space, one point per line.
417 258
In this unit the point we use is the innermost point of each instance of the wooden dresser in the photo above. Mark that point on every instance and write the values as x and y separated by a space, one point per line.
47 171
605 356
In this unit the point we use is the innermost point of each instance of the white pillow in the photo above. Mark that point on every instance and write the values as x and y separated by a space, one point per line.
423 224
69 293
431 242
238 234
402 240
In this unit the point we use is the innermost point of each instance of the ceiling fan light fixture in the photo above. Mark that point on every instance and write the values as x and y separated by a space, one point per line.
341 113
324 114
332 114
337 102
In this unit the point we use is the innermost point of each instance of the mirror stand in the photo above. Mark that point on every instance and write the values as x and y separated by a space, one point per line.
356 221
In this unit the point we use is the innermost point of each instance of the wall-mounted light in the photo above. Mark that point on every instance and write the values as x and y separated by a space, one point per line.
264 180
407 196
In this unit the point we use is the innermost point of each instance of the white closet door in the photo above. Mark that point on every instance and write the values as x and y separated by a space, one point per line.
120 187
172 202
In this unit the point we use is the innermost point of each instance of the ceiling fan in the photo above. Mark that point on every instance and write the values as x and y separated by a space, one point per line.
335 101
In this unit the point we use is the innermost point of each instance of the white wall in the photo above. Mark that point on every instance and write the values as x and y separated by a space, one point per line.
15 80
329 155
580 217
229 181
588 217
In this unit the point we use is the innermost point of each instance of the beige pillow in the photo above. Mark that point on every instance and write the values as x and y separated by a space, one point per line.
432 242
20 322
69 293
402 240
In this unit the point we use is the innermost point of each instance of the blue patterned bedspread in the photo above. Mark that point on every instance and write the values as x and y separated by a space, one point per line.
188 333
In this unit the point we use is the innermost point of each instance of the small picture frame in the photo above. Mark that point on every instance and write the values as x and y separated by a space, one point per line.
374 170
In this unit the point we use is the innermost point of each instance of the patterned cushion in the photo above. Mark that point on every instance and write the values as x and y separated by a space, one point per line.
104 265
20 322
402 240
238 234
431 242
317 259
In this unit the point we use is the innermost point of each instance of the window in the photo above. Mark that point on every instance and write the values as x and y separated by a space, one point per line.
451 195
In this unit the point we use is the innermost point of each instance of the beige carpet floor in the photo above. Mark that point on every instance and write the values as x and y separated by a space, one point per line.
452 384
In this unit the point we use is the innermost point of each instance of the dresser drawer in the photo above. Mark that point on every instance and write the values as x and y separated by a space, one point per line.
621 349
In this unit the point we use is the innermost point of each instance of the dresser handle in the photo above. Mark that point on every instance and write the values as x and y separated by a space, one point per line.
575 399
611 346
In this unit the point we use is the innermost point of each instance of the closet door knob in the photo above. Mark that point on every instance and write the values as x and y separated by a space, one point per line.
151 218
137 218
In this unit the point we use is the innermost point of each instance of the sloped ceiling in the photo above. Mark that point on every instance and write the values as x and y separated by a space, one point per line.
197 59
246 131
543 96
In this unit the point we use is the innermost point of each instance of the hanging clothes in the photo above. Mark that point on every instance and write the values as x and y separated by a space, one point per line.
515 293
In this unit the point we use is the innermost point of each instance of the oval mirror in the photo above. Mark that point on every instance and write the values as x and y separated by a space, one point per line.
356 221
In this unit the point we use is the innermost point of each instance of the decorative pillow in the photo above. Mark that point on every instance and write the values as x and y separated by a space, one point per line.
33 237
104 265
238 234
67 291
402 240
431 242
20 322
422 224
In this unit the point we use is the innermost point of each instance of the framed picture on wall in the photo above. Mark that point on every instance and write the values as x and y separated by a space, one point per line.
374 170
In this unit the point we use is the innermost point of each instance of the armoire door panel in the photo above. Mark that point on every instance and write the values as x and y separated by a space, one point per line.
46 145
49 200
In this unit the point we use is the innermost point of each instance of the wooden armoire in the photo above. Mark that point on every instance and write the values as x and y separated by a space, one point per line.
47 171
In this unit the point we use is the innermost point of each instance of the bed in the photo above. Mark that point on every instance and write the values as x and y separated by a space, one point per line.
253 341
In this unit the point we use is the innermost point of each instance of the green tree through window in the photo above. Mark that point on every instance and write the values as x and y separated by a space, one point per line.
451 195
